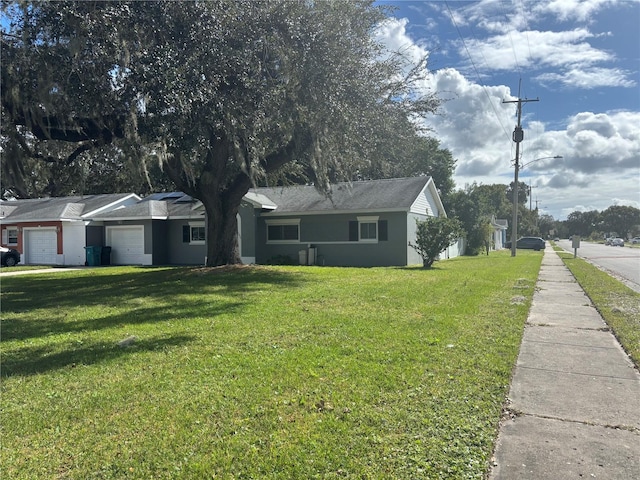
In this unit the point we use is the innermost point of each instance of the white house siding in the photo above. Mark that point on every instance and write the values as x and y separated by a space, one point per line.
455 250
413 258
425 204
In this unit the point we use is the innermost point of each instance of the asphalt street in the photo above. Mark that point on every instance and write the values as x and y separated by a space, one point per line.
621 262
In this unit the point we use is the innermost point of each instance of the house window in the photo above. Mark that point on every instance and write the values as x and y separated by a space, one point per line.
194 233
11 236
283 231
368 229
197 234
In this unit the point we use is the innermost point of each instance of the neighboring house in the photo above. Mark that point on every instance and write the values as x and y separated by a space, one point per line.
52 231
369 223
499 232
161 229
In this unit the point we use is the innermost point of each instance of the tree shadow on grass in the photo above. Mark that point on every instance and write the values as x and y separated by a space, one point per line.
133 296
21 328
112 286
36 360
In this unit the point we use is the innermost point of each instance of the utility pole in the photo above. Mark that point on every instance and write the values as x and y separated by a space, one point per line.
518 136
531 196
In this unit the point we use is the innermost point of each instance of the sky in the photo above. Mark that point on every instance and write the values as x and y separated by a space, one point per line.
578 64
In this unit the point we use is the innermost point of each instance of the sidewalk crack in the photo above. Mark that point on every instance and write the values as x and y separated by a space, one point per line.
628 428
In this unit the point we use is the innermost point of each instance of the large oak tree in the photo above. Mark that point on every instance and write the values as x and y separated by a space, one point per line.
219 93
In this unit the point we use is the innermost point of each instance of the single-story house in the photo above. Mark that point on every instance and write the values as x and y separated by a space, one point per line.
368 223
52 231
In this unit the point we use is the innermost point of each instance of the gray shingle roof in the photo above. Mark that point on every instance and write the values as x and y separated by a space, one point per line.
397 194
392 194
148 209
156 206
57 208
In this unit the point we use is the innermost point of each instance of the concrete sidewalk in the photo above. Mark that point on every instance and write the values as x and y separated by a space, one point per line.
574 403
13 273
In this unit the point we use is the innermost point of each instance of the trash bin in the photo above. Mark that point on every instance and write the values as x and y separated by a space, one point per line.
93 256
302 257
105 256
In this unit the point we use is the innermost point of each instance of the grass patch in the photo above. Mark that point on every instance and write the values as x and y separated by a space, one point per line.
617 303
260 372
22 268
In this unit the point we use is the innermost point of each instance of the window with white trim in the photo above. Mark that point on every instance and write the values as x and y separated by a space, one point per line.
195 233
10 236
283 231
368 229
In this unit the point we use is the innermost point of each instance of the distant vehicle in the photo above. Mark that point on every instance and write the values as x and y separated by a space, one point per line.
535 243
10 256
635 240
608 241
617 242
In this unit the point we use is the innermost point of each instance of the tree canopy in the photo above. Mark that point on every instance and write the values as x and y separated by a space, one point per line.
219 94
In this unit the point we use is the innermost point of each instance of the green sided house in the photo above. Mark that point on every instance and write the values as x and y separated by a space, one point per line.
364 224
368 223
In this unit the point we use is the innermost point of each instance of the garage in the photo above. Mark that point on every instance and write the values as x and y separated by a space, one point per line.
127 245
41 246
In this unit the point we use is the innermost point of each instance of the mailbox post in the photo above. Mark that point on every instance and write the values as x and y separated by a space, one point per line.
575 244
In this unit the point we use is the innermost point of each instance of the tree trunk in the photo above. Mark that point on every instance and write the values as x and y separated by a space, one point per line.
222 231
222 223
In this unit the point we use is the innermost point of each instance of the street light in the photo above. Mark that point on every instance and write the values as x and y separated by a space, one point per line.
556 157
517 137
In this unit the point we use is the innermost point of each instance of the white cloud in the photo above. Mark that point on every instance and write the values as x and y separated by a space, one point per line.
563 10
393 35
601 150
512 45
588 78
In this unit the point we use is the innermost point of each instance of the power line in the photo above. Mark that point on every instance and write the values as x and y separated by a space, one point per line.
476 70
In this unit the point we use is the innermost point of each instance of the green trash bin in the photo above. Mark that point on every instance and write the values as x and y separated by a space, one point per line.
93 256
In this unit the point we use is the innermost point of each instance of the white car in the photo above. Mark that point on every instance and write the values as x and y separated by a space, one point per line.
635 240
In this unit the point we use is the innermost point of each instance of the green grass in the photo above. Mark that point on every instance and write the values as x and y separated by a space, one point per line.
20 268
617 303
260 372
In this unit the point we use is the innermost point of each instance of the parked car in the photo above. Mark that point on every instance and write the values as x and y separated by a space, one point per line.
10 256
535 243
617 242
635 240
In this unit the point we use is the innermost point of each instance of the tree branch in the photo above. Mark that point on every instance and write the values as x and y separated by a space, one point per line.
51 127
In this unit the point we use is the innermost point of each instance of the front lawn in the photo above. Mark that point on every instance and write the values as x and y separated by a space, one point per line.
260 372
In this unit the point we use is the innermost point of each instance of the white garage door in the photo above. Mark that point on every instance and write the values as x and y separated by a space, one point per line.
41 246
127 245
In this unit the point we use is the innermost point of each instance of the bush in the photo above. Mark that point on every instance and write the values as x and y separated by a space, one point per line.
433 235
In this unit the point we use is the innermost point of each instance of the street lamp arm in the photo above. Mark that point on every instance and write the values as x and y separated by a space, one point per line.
542 158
